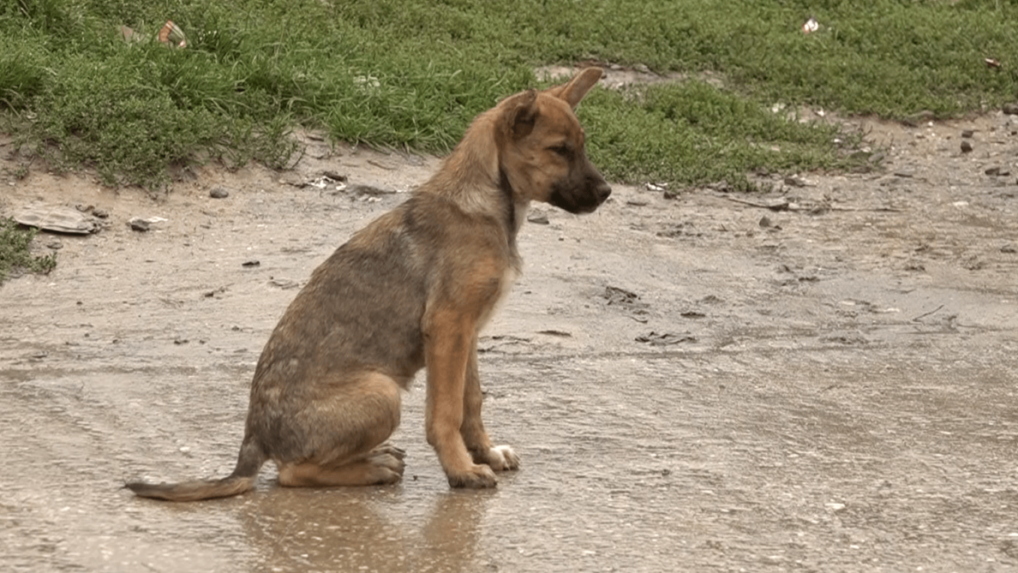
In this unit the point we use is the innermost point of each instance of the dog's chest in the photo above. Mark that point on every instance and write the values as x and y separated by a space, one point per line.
505 285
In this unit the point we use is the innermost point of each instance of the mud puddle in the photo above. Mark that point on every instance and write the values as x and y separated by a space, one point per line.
689 388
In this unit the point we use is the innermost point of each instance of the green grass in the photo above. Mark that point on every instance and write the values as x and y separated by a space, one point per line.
14 251
412 73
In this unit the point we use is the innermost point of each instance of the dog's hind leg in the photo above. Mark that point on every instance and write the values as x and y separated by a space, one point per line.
498 458
349 440
378 467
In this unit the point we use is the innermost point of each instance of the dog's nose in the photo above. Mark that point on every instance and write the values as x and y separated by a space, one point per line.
603 191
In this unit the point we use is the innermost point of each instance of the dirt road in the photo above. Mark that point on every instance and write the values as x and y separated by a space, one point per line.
693 384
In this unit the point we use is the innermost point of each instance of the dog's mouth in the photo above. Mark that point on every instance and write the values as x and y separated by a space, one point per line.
580 202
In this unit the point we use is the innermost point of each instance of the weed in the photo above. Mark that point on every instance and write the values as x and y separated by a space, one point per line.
14 251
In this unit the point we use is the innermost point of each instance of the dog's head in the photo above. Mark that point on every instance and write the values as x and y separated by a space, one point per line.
541 147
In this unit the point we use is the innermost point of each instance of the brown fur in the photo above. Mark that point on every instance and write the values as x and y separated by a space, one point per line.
411 290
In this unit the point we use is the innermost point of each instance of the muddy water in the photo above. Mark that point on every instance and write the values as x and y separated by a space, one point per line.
688 389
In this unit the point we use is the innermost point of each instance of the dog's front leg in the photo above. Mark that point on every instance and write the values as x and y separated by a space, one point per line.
498 458
448 345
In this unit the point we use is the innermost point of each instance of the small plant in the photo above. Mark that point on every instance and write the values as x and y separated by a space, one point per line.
18 173
14 251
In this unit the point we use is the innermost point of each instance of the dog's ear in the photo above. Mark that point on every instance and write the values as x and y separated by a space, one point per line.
573 91
520 114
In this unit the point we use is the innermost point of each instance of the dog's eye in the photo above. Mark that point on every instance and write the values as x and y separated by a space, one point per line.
562 150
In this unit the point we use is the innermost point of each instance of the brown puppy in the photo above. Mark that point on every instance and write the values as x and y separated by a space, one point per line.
411 290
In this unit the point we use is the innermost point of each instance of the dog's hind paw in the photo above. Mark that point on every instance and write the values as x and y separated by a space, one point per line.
498 458
390 449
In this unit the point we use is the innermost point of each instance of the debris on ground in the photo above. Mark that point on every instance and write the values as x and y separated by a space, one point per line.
57 219
170 34
665 338
142 225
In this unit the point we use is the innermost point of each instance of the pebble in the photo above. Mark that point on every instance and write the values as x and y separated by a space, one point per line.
219 193
967 133
538 219
140 225
966 146
794 181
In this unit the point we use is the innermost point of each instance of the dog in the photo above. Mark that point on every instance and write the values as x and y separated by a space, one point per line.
411 290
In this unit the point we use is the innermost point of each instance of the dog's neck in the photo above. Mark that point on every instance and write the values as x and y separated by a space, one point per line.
515 211
474 180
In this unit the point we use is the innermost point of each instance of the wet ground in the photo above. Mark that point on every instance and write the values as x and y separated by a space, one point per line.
693 384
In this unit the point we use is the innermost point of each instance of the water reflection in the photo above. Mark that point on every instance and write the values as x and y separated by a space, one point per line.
363 529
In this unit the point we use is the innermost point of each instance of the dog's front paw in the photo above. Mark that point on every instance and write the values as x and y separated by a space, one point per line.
498 458
477 477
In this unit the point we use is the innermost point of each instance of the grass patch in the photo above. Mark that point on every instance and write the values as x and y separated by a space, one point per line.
14 251
408 73
720 136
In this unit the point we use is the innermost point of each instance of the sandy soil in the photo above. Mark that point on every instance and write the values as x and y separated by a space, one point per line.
693 384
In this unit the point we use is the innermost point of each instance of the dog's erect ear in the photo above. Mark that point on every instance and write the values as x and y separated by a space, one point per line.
520 114
573 91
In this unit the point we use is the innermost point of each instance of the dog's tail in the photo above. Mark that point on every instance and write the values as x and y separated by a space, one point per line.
249 462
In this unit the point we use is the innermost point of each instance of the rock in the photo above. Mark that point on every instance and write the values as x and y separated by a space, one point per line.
55 245
997 171
966 147
1010 108
766 222
56 219
796 181
251 263
139 224
1009 248
967 133
293 179
538 218
334 175
921 117
906 172
616 295
219 193
101 213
